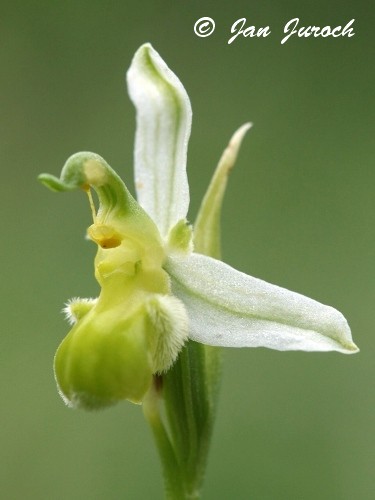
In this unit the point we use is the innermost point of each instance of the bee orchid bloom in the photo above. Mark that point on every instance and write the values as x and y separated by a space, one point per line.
156 293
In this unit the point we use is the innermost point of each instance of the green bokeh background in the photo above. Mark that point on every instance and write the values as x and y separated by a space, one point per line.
299 212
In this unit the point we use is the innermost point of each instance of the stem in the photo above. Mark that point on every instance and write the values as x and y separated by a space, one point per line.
189 407
171 470
190 393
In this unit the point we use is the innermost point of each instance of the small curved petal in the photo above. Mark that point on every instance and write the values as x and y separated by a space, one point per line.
76 308
231 309
163 130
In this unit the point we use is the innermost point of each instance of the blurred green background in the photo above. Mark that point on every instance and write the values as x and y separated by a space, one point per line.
299 212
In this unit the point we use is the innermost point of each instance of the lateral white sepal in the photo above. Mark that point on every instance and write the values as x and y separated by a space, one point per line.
231 309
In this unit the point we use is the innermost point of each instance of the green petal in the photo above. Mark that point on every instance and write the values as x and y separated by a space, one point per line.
163 129
207 234
231 309
119 213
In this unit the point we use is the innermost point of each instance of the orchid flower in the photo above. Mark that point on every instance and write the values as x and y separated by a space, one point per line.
156 291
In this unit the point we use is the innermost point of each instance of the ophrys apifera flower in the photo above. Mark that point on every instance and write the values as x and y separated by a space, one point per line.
156 292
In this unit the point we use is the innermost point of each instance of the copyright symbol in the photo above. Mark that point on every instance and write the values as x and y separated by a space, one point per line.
204 27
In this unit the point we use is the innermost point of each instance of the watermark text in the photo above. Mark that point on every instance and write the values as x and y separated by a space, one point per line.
205 26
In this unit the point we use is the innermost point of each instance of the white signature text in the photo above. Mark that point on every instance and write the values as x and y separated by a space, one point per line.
292 28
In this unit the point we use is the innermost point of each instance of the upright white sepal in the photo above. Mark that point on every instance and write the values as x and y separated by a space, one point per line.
231 309
163 130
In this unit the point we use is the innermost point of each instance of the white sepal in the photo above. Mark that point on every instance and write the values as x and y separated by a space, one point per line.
163 130
231 309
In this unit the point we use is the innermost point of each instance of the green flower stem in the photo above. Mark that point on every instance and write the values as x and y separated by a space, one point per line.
172 474
189 410
183 447
187 384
